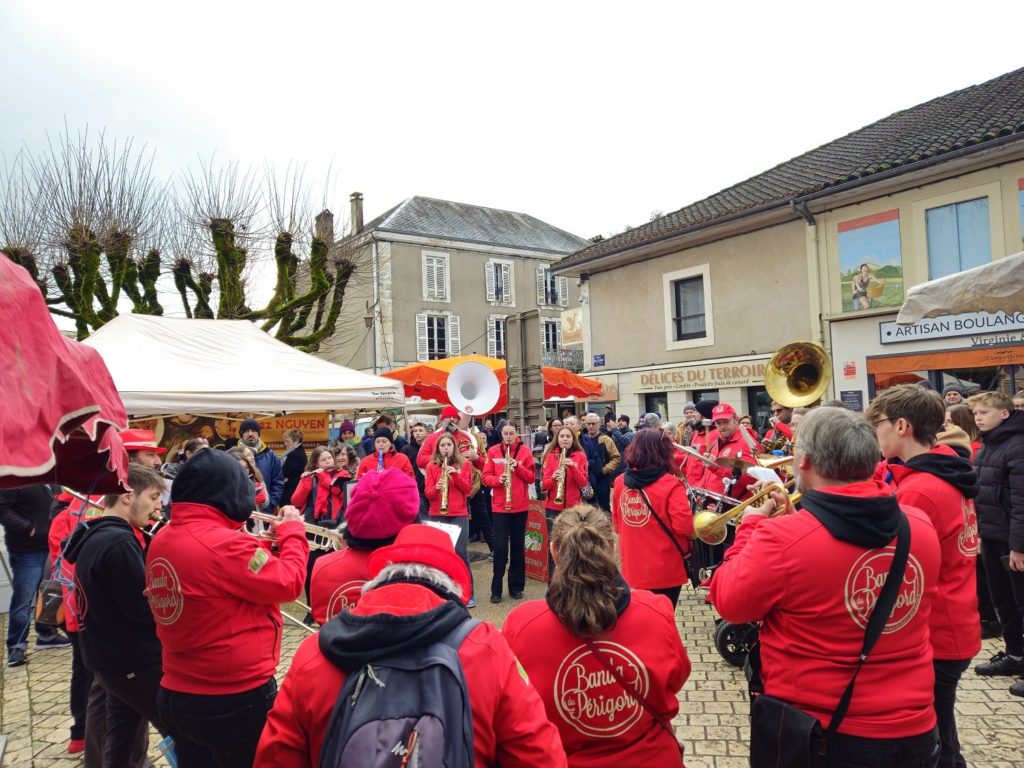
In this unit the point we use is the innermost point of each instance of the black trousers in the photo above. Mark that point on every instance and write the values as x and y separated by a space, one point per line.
857 752
216 731
96 732
672 593
509 537
1007 588
480 521
81 680
986 611
131 707
947 677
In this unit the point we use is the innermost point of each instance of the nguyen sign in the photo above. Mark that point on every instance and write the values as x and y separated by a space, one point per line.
714 376
946 326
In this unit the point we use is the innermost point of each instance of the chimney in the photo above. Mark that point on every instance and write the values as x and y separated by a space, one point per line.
356 215
325 227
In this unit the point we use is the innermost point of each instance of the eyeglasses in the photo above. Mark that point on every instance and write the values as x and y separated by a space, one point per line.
876 422
778 410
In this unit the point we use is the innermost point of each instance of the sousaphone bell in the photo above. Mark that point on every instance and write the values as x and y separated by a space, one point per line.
473 388
798 374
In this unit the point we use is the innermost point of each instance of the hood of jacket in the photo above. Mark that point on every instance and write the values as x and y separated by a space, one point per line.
944 463
864 514
1011 428
641 478
102 527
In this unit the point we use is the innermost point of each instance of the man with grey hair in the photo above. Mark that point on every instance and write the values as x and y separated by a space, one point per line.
415 599
812 578
652 420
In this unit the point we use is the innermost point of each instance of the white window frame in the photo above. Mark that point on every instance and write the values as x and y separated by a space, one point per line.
434 256
492 336
544 322
667 279
561 287
490 280
453 340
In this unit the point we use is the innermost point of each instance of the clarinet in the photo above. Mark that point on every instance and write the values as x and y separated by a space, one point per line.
380 461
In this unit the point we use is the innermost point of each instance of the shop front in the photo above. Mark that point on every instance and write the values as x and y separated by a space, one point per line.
977 351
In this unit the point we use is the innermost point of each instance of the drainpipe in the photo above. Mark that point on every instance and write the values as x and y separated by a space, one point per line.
375 305
815 288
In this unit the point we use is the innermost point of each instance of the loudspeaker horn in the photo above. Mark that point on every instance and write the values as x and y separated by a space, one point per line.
473 388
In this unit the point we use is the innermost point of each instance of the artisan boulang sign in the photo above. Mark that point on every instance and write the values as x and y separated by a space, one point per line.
717 376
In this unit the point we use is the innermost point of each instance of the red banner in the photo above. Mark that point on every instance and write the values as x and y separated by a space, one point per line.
536 542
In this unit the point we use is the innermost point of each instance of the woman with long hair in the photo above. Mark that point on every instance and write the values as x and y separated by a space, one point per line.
572 475
961 415
247 459
606 658
651 513
447 460
510 499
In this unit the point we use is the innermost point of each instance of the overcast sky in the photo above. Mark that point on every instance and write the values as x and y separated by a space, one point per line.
587 115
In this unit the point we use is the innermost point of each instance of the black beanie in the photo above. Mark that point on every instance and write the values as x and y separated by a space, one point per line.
248 424
704 407
384 432
217 480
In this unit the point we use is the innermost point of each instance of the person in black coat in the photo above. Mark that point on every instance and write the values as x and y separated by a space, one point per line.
417 434
1000 509
294 462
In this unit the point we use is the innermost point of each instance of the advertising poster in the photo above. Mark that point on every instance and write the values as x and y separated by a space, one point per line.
536 542
870 262
172 432
1020 202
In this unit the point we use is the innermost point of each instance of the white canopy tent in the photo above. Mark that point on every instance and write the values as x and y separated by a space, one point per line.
165 365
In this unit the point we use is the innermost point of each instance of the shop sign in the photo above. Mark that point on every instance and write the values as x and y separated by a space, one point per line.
609 389
715 376
572 326
947 326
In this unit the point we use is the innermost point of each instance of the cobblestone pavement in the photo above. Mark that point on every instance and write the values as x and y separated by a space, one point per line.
712 717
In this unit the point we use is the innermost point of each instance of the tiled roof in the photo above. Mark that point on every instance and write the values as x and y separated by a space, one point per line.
427 217
965 118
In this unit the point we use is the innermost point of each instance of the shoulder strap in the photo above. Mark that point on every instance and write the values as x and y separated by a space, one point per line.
456 637
628 688
664 527
879 616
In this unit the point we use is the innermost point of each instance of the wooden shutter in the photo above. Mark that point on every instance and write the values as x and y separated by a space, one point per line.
489 268
506 279
492 340
563 292
558 336
428 277
541 283
422 352
442 278
454 337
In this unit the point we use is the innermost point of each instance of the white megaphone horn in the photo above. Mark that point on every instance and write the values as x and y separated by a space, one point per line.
473 388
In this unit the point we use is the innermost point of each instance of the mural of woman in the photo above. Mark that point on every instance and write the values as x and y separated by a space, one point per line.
860 288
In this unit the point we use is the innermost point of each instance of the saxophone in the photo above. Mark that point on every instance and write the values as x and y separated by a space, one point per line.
506 477
444 486
560 486
380 461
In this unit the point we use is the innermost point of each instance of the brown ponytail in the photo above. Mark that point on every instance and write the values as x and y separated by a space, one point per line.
584 587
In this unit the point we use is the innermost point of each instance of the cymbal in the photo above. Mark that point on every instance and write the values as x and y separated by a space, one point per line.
731 462
696 454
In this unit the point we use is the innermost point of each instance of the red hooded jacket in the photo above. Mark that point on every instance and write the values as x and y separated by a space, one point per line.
599 726
649 559
329 503
955 625
522 476
392 460
462 440
693 469
812 594
576 477
737 447
510 728
216 594
337 582
458 489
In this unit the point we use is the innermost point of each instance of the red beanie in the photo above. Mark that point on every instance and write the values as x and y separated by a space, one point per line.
382 504
450 412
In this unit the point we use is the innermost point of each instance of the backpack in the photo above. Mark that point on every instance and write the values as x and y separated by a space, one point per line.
396 711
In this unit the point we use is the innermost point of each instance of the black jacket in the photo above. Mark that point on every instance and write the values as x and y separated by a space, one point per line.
1000 466
116 628
23 510
411 451
292 467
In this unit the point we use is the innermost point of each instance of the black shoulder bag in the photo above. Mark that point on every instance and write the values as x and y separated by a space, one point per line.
687 562
783 736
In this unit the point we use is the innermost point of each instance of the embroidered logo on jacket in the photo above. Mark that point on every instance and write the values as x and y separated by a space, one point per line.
589 698
864 584
967 539
633 508
345 596
163 590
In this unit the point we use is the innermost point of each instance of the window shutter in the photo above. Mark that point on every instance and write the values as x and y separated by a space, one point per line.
558 336
492 341
489 268
428 276
442 278
506 279
422 353
563 292
454 337
541 282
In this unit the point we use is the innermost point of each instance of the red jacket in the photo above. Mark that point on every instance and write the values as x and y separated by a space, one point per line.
811 591
337 582
462 440
216 594
736 447
955 625
459 486
522 477
649 559
510 728
599 726
392 460
576 477
693 469
329 503
780 429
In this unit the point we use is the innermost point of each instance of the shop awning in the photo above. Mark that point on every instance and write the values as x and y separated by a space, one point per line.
935 361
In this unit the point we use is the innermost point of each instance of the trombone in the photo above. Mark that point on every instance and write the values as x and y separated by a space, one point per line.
319 538
710 526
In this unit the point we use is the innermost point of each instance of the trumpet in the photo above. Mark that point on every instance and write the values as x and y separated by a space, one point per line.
506 477
560 486
445 480
710 527
319 538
